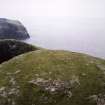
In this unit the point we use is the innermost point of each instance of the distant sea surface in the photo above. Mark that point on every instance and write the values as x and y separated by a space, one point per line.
85 35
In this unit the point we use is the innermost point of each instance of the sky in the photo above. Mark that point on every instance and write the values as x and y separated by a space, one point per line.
75 25
74 8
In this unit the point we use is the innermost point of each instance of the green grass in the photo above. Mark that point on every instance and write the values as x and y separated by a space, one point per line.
46 77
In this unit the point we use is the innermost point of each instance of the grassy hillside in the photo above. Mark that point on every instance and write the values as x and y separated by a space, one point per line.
52 78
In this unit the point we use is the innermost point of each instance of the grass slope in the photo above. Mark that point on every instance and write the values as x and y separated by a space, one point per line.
52 78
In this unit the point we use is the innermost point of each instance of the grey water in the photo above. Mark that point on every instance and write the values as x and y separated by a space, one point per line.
85 35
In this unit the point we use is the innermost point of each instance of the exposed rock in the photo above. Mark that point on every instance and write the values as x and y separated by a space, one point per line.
11 29
12 48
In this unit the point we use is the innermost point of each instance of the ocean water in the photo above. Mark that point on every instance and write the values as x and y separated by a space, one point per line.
85 35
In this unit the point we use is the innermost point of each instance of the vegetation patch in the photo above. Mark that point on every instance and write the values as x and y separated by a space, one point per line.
46 77
12 48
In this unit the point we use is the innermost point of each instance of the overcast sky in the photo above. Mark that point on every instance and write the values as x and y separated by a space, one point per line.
76 25
75 8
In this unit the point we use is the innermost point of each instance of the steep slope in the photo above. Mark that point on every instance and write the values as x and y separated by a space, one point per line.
52 78
12 48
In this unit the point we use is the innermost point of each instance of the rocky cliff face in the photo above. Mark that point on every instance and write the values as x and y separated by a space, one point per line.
11 29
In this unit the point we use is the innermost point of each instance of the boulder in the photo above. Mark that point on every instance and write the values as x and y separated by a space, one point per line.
12 29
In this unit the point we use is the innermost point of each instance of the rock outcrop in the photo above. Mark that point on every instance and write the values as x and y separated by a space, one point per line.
11 29
52 78
12 48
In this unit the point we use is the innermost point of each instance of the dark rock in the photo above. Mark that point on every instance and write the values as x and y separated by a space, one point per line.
12 29
12 48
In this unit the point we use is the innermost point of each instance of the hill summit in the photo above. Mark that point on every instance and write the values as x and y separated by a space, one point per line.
46 77
12 29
